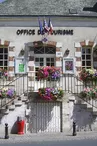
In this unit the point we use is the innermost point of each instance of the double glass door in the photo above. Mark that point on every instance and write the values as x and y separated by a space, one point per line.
44 60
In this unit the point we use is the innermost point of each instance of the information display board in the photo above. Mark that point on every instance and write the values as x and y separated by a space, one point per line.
68 65
20 66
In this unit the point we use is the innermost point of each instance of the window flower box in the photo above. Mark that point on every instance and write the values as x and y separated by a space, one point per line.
50 93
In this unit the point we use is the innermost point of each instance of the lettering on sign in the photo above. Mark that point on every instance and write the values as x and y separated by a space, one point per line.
32 32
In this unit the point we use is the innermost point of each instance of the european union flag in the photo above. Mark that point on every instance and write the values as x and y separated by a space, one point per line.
40 26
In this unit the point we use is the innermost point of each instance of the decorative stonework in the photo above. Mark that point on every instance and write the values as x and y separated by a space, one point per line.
31 68
78 58
11 65
10 59
91 43
6 43
78 47
83 43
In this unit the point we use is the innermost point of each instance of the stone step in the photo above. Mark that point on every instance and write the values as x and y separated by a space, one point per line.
12 107
6 112
95 113
84 106
89 109
24 99
94 109
18 103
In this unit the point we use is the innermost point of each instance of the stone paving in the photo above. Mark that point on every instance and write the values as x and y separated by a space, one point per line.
27 138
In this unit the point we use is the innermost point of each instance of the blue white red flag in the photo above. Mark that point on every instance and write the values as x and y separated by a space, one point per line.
40 26
50 26
45 26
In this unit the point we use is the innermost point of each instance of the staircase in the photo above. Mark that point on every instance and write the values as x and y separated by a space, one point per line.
9 106
69 83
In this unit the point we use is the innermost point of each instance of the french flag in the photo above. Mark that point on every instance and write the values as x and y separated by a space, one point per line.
50 26
45 26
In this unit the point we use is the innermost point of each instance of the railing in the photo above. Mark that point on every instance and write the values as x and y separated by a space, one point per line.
19 84
68 83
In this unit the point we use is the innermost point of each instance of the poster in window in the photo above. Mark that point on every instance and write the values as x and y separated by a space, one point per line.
21 68
20 65
68 65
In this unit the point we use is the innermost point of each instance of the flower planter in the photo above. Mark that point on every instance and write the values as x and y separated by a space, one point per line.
48 73
50 93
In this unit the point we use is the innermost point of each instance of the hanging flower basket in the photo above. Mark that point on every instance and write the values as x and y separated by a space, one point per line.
50 93
48 73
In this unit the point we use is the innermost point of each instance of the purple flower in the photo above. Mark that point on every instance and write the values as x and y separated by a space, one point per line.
10 92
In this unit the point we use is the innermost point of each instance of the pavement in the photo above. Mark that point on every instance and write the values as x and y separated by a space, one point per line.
40 137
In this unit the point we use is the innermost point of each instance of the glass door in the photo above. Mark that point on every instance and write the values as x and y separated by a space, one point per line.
44 60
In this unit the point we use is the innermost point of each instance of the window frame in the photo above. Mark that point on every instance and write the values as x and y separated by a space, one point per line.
86 55
4 59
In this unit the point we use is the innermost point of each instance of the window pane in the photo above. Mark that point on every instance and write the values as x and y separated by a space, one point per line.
83 56
88 57
5 50
38 50
48 59
83 63
88 63
50 50
88 51
83 51
52 59
1 63
41 59
36 59
5 63
1 56
36 69
48 64
41 64
5 56
1 50
52 64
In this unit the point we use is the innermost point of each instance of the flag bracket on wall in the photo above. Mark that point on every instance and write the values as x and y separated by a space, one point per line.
45 28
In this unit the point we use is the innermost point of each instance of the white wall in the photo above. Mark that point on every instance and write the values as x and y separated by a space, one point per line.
11 119
80 34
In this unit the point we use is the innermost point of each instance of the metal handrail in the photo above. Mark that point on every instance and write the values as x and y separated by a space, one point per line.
20 84
68 82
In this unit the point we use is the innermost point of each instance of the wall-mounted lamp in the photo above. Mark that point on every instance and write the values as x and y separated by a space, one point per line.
66 52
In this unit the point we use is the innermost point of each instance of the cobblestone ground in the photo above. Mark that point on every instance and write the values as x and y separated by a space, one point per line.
13 138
